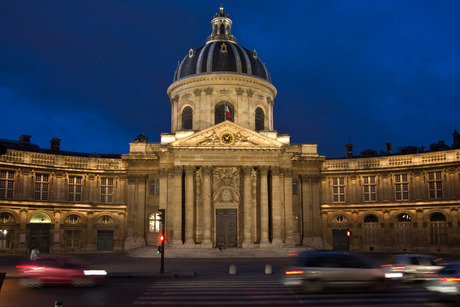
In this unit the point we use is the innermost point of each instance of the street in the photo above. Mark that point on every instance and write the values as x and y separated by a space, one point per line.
200 282
205 292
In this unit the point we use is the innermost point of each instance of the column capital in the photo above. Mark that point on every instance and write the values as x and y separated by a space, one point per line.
247 170
206 170
275 170
177 170
189 169
263 170
164 171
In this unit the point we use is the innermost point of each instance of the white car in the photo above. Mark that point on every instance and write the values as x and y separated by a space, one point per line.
412 267
318 271
447 283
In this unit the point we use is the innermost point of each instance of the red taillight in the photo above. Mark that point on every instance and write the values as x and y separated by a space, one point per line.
385 265
294 272
26 266
292 255
430 275
397 268
449 279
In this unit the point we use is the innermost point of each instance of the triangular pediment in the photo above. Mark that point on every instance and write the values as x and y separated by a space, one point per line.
227 134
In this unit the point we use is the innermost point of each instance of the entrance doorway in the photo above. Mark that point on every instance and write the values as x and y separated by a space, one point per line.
39 234
340 240
226 231
104 240
40 237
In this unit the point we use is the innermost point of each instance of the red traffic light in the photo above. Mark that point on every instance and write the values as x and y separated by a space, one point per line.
348 233
162 238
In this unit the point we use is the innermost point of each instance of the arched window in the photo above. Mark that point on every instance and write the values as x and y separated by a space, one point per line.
221 114
40 218
187 118
260 119
371 230
5 217
403 229
73 219
438 228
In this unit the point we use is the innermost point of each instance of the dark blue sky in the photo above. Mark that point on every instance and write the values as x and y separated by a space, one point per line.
95 73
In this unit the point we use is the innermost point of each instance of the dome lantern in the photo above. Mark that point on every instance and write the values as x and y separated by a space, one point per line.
221 28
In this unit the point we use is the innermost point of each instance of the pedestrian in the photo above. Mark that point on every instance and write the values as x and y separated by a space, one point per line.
34 253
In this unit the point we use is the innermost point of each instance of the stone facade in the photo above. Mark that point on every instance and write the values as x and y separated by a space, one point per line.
224 175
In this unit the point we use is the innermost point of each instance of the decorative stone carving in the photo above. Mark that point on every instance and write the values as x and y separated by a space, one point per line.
197 92
208 90
239 91
225 92
226 177
250 93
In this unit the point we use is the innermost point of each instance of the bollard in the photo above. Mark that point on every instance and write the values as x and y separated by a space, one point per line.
232 269
268 269
58 304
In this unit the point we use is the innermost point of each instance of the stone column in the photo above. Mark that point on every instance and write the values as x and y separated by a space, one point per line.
163 197
56 234
288 215
453 236
311 212
189 206
264 206
207 212
276 207
177 206
386 232
136 209
420 233
247 207
255 220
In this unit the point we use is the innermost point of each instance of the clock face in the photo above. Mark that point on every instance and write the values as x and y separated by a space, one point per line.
227 138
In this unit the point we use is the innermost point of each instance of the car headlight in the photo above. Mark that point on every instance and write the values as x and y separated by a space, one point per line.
95 272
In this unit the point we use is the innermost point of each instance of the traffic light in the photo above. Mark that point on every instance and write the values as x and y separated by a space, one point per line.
162 216
159 250
162 238
348 233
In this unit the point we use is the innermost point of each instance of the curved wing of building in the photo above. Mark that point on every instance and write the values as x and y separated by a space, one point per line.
224 175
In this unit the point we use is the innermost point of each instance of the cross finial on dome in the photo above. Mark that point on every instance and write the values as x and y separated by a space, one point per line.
221 7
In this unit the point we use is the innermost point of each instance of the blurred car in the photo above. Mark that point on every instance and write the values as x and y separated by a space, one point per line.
57 270
446 283
318 271
412 267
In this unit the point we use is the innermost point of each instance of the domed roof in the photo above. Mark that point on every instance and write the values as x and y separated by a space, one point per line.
221 54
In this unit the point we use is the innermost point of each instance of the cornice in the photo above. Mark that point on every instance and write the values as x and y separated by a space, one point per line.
209 79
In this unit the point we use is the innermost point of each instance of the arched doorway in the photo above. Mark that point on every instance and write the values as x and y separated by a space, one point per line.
39 232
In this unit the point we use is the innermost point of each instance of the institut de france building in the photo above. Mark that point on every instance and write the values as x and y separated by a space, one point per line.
224 175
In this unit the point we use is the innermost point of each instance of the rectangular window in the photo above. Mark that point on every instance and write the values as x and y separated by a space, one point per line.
401 187
106 190
155 186
5 238
6 184
369 188
435 185
338 190
295 189
41 186
74 188
72 238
